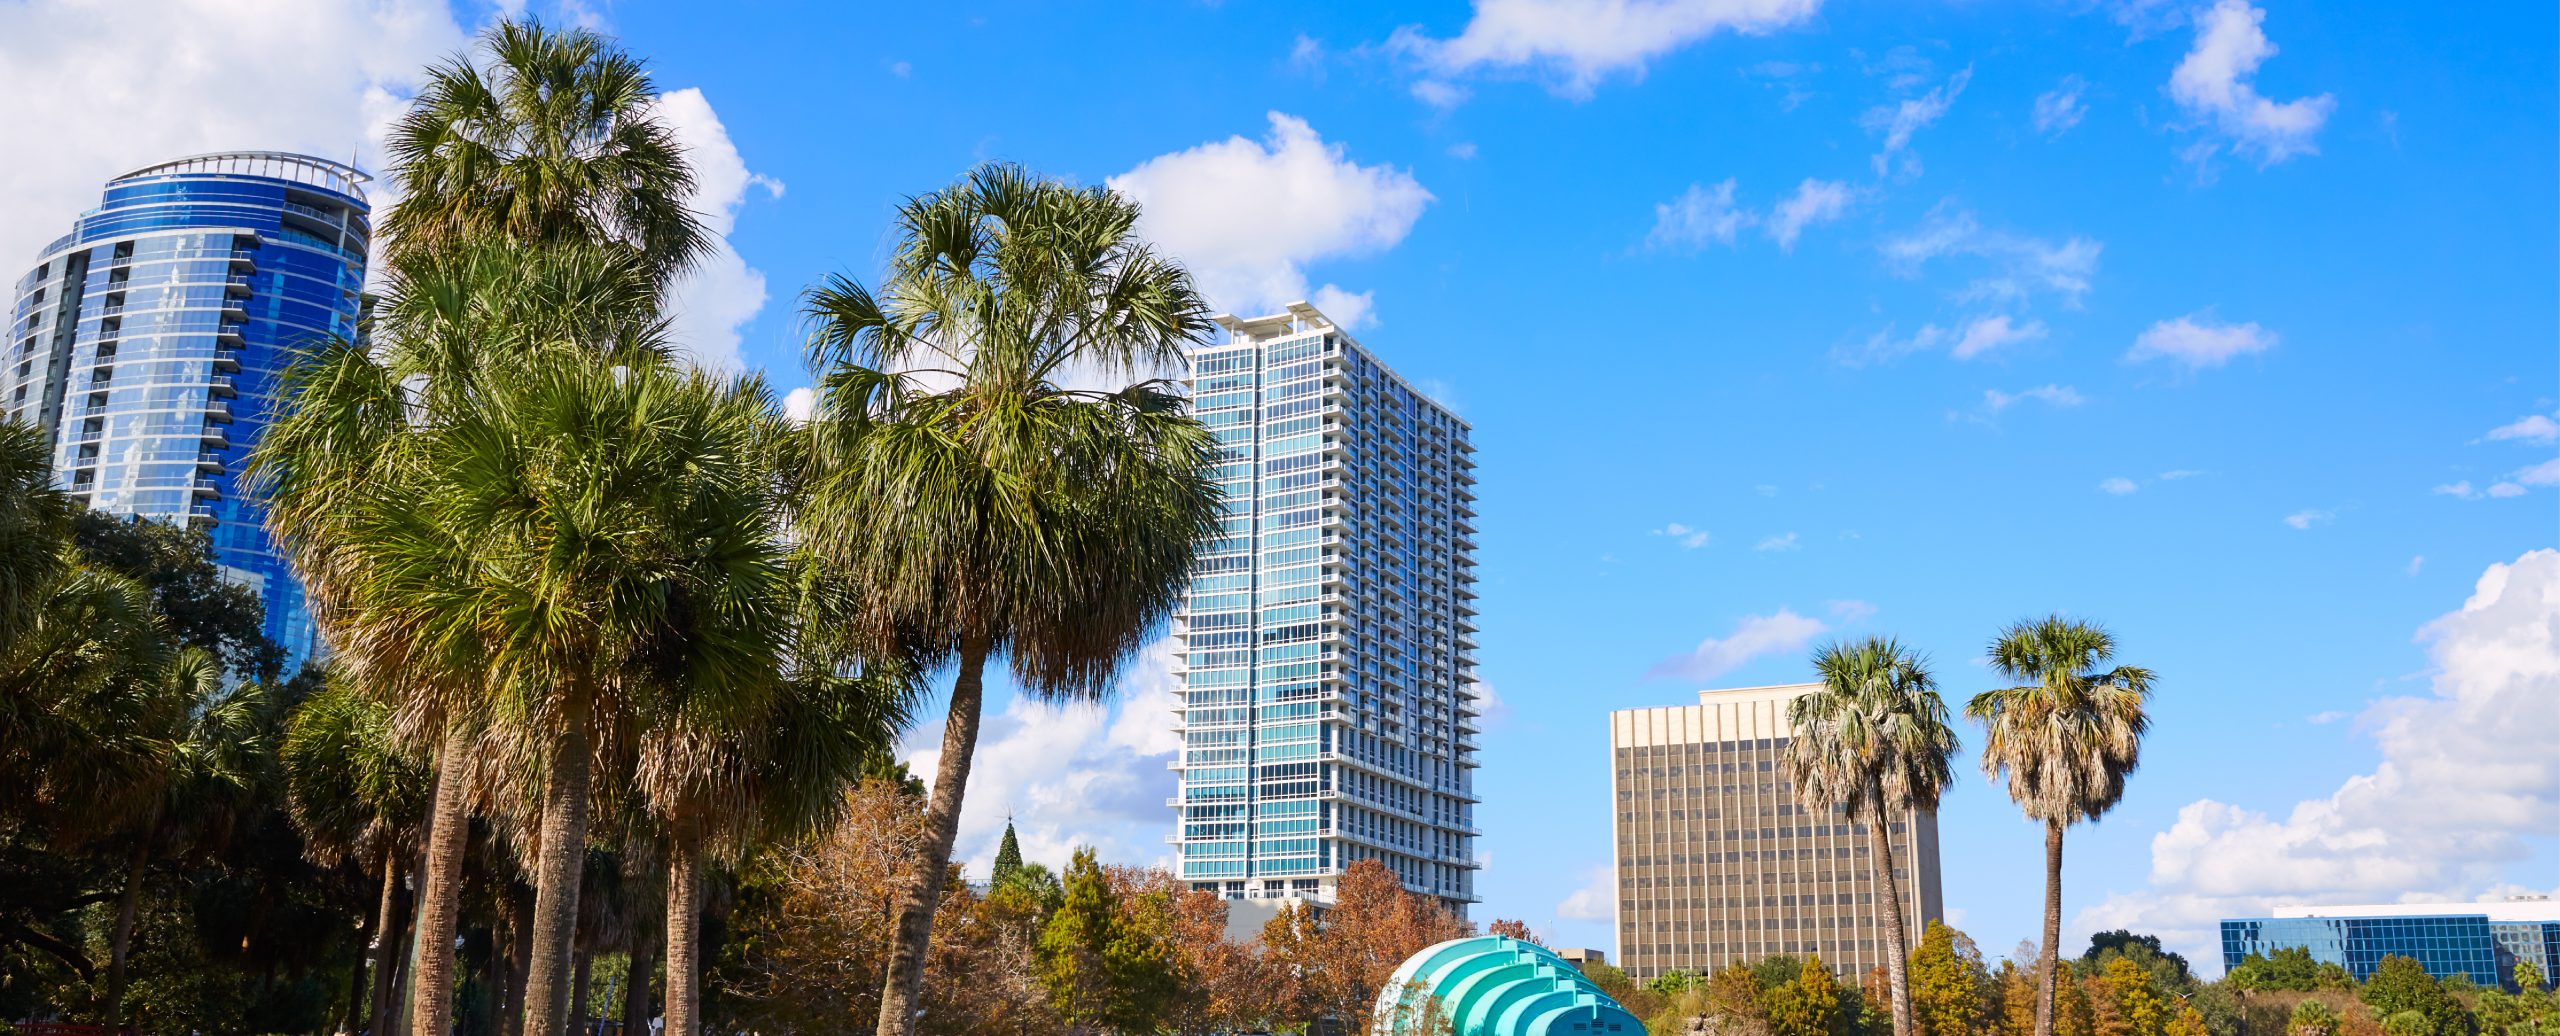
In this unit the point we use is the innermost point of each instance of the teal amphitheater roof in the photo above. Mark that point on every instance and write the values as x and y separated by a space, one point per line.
1493 985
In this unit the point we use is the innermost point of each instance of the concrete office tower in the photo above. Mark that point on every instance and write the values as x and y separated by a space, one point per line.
1329 638
146 343
1717 863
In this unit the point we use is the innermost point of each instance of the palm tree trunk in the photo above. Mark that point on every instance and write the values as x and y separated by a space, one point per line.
2052 926
128 904
386 943
578 992
904 986
377 957
1897 935
519 957
636 1008
440 890
558 876
684 936
355 999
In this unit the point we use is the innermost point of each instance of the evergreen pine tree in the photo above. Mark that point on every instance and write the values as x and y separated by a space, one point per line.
1008 857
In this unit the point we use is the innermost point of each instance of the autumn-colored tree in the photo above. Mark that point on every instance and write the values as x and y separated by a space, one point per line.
2017 1008
2073 1015
1348 955
1946 982
2311 1018
2124 1002
1810 1005
2189 1022
1509 928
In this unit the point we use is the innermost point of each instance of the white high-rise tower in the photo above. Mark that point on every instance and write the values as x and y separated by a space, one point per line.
1329 639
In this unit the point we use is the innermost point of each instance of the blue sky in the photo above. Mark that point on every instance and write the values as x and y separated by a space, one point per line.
2232 326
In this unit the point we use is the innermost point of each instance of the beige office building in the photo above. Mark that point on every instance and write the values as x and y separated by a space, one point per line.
1717 863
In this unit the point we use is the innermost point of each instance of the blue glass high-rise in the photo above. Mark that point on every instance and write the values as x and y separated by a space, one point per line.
2482 942
1329 707
147 343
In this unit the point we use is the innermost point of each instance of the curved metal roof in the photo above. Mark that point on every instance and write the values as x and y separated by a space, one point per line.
1493 985
341 177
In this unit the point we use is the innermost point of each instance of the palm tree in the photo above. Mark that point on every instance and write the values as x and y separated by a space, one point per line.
2065 739
554 141
719 786
35 525
1006 514
346 469
356 796
1873 744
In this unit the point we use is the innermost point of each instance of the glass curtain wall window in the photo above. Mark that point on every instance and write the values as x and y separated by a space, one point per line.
147 342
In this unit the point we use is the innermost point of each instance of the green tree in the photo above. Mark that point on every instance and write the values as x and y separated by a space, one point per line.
1008 856
35 523
2284 968
355 795
2311 1017
1008 514
2401 984
2527 976
1947 982
2407 1023
2168 969
1873 745
554 140
2065 739
1104 971
1807 1005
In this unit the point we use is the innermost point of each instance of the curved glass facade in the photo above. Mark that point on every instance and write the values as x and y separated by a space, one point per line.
147 342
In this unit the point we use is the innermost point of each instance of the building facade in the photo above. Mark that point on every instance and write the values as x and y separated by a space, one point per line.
1329 635
2480 941
1717 863
146 343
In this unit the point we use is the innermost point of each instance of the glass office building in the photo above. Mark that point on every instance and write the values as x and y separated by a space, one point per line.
2480 941
1329 636
146 343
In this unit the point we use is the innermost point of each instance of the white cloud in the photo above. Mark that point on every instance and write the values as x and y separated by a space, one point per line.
2213 84
1307 55
2059 109
2198 340
2458 490
1579 42
1785 541
722 293
1071 775
2534 428
799 404
1463 150
1754 636
1850 610
1689 539
1699 217
1898 121
901 69
2309 517
1985 334
1492 709
2056 396
2466 774
2178 473
1596 900
2546 473
1349 309
1247 216
2018 265
2415 563
1439 93
1815 201
98 89
2322 719
2502 490
2118 486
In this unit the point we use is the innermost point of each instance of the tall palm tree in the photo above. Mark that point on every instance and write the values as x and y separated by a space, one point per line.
554 140
1007 513
348 475
2065 739
356 795
1873 744
720 785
